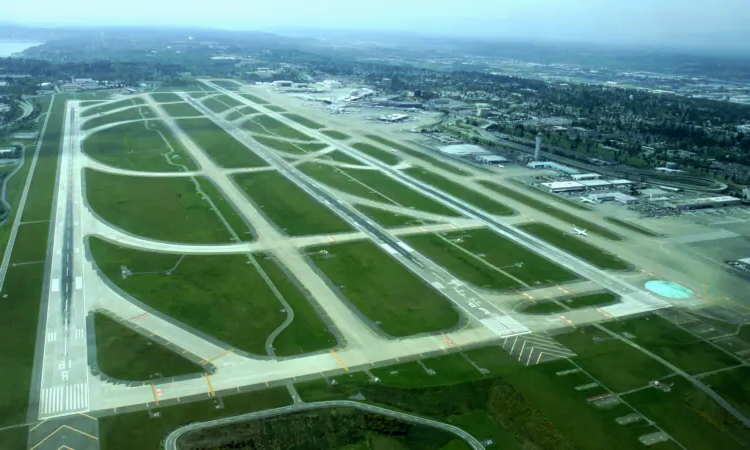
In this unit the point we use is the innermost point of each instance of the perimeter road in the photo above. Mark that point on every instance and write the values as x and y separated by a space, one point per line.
22 203
171 441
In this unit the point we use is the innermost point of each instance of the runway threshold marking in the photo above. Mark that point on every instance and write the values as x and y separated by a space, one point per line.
336 355
211 391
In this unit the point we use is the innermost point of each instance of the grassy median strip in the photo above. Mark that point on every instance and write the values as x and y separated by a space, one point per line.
242 112
304 121
124 354
488 260
386 292
255 99
165 97
226 84
373 185
31 242
135 113
166 209
223 296
138 430
141 146
417 154
460 191
553 307
377 153
183 109
341 157
225 150
631 226
573 245
307 332
389 219
289 147
215 105
268 125
275 108
552 211
111 106
288 206
339 136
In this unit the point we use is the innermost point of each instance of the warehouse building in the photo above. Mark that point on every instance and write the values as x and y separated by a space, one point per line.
564 186
707 202
585 176
553 166
595 184
613 196
490 159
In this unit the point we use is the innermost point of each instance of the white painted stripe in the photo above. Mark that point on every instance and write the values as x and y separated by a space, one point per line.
58 398
79 283
86 395
55 285
42 398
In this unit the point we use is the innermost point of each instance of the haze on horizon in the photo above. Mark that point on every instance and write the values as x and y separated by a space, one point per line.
720 25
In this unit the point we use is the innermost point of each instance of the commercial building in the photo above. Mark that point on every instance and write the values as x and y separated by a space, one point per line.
707 202
463 150
564 186
620 182
595 184
553 166
491 159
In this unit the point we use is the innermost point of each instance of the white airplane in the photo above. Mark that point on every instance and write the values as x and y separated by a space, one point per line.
580 232
586 200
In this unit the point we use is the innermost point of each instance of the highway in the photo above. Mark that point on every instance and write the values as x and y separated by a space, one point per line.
634 299
464 297
170 442
64 378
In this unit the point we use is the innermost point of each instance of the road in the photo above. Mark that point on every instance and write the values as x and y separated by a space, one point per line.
64 377
171 440
464 297
22 203
634 299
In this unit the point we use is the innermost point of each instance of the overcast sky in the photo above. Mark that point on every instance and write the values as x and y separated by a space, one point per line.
571 20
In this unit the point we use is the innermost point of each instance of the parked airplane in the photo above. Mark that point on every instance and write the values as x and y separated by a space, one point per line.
586 200
579 232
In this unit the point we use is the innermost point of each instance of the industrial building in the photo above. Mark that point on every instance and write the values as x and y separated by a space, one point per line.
585 176
595 184
491 159
553 166
706 202
463 150
613 196
620 182
564 186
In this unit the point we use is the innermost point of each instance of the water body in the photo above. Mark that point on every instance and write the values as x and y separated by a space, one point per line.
7 48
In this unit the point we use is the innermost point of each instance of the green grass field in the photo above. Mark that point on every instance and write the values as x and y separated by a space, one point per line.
255 99
143 146
215 104
31 242
222 296
227 84
382 289
289 147
165 97
571 244
389 219
138 430
111 106
340 156
339 136
487 260
675 345
631 226
584 301
734 386
460 191
135 113
183 109
288 206
417 154
616 364
167 209
124 354
552 211
225 150
377 153
307 332
552 196
267 125
691 417
304 121
226 99
276 108
373 185
91 103
242 112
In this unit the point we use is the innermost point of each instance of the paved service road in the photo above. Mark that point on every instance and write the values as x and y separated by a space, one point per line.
173 437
